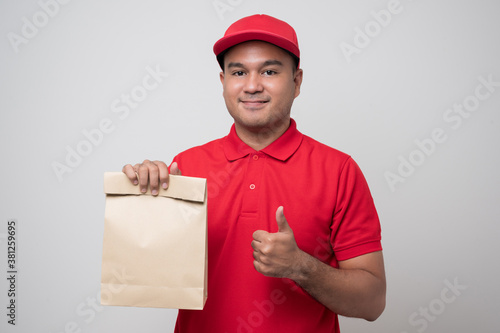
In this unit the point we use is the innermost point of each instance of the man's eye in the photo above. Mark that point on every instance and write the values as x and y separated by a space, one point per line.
238 73
269 72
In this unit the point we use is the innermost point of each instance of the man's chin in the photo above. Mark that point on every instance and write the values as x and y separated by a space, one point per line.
261 125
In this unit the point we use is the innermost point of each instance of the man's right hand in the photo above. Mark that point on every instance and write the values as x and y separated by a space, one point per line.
154 172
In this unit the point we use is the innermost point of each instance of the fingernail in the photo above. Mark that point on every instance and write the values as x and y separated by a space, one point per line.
154 192
136 182
143 190
164 185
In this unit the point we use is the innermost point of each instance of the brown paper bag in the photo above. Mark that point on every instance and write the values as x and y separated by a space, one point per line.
155 248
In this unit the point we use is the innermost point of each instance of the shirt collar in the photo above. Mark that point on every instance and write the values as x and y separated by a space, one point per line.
281 149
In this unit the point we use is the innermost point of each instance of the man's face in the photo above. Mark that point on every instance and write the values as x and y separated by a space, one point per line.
260 84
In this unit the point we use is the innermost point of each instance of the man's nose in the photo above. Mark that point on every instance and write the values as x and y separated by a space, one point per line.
253 83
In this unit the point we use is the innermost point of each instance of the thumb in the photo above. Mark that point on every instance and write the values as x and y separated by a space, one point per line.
281 221
174 169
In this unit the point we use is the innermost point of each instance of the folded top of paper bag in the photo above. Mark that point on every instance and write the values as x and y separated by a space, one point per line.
180 187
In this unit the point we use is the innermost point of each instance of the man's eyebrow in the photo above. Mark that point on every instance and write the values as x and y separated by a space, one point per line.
235 64
266 63
272 62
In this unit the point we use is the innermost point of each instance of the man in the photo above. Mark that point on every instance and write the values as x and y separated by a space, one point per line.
293 234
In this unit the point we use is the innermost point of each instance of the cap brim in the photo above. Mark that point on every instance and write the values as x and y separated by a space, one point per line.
244 36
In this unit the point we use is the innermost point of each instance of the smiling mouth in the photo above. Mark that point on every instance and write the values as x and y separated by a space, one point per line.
253 105
253 102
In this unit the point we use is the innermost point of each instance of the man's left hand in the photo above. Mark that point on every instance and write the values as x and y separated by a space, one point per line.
276 254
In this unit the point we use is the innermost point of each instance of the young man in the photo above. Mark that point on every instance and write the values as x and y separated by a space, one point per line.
293 234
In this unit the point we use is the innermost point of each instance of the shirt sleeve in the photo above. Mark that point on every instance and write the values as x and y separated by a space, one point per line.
356 227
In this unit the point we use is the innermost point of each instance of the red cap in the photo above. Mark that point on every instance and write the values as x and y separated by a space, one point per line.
259 27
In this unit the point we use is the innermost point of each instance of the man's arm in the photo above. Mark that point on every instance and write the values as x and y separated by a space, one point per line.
356 289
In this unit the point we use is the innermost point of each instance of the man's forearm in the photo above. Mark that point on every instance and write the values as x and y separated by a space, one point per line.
348 292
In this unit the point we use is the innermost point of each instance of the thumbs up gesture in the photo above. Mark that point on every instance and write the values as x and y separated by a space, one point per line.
276 254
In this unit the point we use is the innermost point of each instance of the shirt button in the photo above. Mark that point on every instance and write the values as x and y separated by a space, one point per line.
252 186
255 157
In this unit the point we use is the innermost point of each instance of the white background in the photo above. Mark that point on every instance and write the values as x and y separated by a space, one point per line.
440 226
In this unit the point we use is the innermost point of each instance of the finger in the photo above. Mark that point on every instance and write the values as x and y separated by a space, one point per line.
143 172
130 172
162 173
281 221
154 178
262 268
259 235
256 245
256 255
174 169
257 265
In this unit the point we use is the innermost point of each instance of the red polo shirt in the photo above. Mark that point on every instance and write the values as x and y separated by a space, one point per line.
327 203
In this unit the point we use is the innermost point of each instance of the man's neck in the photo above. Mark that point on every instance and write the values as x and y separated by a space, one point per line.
260 138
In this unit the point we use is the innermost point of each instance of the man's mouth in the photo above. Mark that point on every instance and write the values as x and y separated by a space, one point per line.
253 102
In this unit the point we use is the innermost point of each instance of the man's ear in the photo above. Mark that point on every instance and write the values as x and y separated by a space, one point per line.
298 81
221 76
